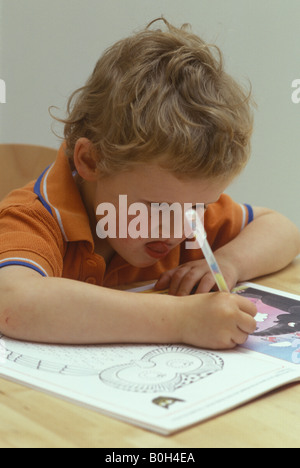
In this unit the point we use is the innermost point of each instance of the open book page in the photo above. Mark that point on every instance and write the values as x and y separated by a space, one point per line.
164 388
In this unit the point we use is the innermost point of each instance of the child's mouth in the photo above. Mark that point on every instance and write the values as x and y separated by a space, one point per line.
157 249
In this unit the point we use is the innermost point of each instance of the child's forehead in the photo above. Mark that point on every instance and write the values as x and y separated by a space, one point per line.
153 183
154 176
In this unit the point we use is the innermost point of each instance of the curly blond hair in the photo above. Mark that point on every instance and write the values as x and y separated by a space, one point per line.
162 93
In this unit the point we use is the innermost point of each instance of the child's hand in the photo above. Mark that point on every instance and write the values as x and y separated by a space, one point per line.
216 320
181 280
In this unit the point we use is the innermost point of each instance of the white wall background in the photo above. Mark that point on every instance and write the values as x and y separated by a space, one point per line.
49 48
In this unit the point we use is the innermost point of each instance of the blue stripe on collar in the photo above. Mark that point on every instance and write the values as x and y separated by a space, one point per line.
250 213
37 191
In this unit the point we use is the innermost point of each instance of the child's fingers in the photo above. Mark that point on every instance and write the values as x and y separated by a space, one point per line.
182 280
247 306
240 337
185 279
206 284
247 323
164 280
178 280
183 283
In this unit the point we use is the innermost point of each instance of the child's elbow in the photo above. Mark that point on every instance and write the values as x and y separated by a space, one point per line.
17 304
12 313
8 321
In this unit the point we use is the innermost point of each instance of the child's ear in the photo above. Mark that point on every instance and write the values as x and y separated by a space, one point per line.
85 159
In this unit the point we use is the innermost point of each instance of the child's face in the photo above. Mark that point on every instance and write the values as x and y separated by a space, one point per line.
148 184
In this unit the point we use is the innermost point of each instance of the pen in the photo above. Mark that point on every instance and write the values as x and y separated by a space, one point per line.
201 238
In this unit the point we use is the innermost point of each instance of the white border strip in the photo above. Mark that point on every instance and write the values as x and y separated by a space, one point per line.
49 203
244 216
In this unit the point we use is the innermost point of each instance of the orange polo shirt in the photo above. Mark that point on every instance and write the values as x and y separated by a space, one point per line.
45 226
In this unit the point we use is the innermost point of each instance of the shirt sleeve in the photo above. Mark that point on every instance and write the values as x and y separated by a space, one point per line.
29 237
223 221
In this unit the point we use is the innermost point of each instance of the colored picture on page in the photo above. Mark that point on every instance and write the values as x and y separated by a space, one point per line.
278 324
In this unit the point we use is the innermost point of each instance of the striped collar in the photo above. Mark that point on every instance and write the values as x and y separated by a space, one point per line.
59 194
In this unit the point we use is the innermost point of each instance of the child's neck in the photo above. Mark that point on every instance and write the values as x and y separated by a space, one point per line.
103 249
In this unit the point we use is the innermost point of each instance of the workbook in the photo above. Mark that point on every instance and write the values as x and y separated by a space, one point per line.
169 387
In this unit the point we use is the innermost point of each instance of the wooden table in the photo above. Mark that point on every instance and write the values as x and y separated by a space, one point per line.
33 419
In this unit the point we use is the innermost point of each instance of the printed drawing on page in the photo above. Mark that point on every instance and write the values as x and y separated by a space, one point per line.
147 369
278 324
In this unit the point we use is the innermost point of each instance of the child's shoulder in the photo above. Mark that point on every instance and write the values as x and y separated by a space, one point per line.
21 199
21 211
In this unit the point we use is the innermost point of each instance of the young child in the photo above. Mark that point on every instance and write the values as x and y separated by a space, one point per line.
159 121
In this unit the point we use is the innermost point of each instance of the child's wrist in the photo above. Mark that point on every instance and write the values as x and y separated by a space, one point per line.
187 313
231 264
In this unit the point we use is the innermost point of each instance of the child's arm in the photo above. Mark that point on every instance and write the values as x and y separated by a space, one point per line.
57 310
266 245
